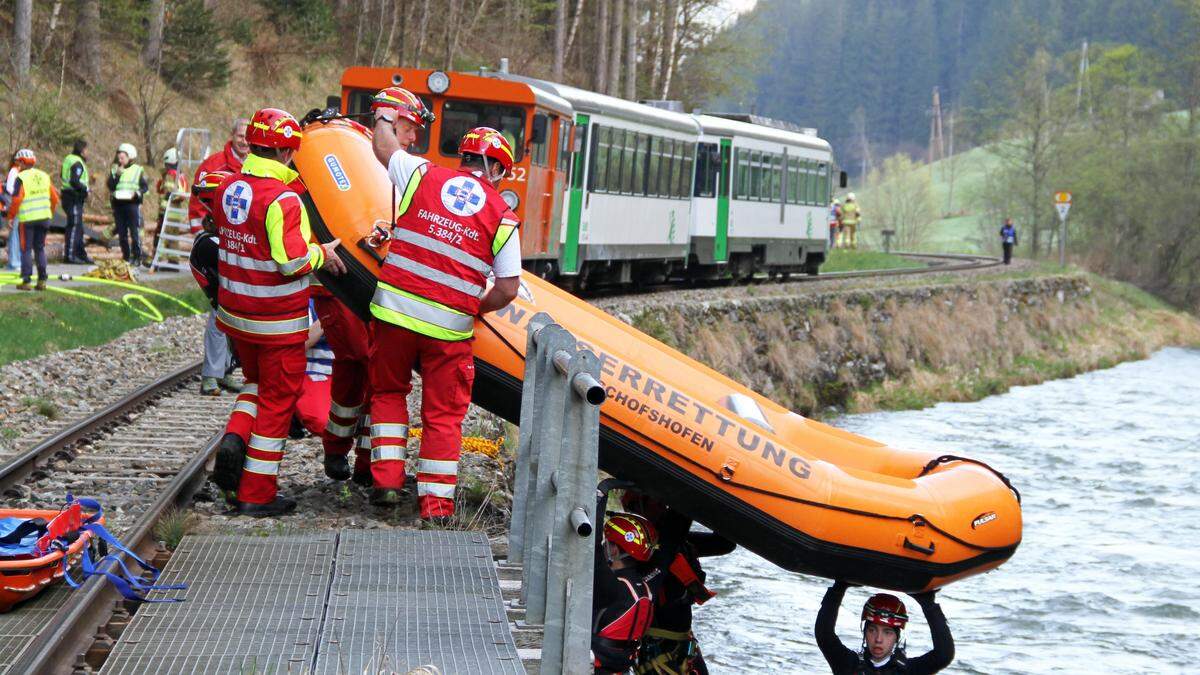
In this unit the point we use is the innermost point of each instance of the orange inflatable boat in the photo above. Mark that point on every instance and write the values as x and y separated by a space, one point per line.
804 495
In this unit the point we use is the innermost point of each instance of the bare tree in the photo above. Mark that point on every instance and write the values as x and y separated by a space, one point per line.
574 26
422 30
153 99
22 25
152 51
614 62
670 38
631 39
452 33
601 45
560 38
85 48
901 200
658 29
55 12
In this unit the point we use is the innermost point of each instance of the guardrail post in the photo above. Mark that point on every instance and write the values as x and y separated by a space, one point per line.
546 439
554 502
526 461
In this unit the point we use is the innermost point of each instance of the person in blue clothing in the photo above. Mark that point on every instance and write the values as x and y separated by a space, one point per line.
1008 239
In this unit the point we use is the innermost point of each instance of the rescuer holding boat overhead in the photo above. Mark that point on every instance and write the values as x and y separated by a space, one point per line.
451 231
267 253
883 621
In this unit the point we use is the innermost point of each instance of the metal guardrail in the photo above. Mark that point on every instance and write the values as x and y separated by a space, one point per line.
552 530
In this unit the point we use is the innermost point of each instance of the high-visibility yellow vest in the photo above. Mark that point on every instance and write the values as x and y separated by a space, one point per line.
850 213
128 183
35 205
69 163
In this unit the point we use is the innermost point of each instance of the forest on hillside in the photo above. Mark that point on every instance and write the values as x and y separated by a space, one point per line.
863 71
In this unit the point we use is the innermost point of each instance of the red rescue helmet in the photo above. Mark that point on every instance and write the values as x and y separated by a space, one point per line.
487 142
405 103
884 609
274 128
632 534
26 157
206 187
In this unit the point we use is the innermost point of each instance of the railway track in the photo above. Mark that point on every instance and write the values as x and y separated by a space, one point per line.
141 456
937 263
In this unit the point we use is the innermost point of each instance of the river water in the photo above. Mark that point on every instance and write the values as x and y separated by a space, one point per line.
1105 579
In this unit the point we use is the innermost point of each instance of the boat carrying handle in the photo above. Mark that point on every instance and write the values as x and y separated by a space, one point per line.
908 544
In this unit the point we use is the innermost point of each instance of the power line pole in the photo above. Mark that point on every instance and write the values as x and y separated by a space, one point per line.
937 144
1083 81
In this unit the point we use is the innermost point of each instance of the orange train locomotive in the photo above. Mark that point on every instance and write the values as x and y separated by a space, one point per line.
808 497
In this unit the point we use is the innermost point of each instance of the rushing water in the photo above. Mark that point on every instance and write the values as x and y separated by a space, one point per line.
1105 579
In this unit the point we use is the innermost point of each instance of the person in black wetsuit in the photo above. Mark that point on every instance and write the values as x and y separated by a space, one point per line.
623 591
883 621
669 647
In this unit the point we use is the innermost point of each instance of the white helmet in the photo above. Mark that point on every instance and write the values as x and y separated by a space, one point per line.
128 149
171 156
850 197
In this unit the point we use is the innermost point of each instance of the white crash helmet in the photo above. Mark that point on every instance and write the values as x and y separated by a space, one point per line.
170 156
129 150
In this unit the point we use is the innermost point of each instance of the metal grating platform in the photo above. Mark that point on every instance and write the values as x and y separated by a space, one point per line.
254 605
19 626
403 599
358 602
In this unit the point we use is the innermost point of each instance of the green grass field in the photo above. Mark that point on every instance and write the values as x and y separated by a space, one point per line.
37 323
841 260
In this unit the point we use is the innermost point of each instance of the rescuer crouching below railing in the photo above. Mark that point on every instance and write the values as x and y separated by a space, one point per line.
452 229
267 254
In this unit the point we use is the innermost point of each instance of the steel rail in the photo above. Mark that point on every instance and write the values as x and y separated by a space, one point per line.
20 467
74 626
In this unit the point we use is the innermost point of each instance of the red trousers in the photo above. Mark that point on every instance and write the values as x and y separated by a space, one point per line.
447 373
278 370
348 337
313 406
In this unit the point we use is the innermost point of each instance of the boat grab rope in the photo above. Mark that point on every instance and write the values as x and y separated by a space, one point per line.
934 463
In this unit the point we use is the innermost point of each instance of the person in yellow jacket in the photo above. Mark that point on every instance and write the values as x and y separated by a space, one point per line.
851 216
33 202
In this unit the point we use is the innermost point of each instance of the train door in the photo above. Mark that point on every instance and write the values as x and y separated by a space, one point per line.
536 227
562 166
721 242
570 252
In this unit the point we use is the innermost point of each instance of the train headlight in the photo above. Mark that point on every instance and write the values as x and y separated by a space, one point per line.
438 82
511 199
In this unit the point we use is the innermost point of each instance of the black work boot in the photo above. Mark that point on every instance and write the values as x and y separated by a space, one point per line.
297 431
336 467
363 478
231 457
279 507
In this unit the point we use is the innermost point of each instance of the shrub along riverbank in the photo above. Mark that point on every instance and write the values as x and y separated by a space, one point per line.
912 346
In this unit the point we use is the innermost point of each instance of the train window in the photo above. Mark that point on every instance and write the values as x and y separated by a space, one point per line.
564 142
813 183
598 181
637 170
743 175
776 175
360 102
459 117
756 174
654 166
708 165
685 175
539 153
668 167
823 180
795 196
616 140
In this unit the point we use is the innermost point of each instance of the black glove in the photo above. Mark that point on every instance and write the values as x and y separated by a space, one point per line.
925 598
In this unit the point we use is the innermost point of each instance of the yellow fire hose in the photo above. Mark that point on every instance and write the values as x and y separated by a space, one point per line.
137 302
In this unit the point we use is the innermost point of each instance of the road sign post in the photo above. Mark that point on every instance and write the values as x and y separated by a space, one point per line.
1062 202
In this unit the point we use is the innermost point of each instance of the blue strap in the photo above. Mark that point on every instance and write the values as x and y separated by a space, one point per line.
131 586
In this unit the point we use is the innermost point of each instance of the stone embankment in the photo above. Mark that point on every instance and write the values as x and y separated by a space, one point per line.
819 350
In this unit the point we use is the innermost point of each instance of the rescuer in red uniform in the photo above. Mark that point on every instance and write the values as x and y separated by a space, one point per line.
452 230
349 390
229 158
623 590
267 254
